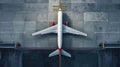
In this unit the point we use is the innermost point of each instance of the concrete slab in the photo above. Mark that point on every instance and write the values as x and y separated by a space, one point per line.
20 16
89 27
11 1
52 17
104 1
7 37
36 1
107 37
42 42
96 16
77 42
18 26
41 25
53 1
12 7
29 41
52 41
76 7
51 4
90 40
68 6
75 20
66 1
77 16
7 16
114 27
30 27
0 6
107 7
116 1
67 41
78 25
101 26
30 16
90 7
83 1
107 27
114 16
43 7
19 37
6 27
42 17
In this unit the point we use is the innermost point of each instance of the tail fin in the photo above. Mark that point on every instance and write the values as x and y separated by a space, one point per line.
56 52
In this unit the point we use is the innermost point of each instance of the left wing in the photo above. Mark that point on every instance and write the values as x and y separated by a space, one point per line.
67 29
52 29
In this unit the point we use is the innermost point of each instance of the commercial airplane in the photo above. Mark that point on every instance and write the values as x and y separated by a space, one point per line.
59 29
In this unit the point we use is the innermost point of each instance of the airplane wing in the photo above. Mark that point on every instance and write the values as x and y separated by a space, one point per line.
67 29
52 29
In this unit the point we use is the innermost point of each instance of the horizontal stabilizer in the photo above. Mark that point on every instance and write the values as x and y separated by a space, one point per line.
65 53
56 52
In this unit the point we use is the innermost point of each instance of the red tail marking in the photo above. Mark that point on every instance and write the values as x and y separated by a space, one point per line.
59 50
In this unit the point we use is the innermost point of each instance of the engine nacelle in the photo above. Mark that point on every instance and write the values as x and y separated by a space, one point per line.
52 23
66 23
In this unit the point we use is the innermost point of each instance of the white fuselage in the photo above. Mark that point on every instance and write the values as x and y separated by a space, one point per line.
59 28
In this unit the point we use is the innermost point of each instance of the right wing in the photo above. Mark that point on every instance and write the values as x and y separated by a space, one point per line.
52 29
67 29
